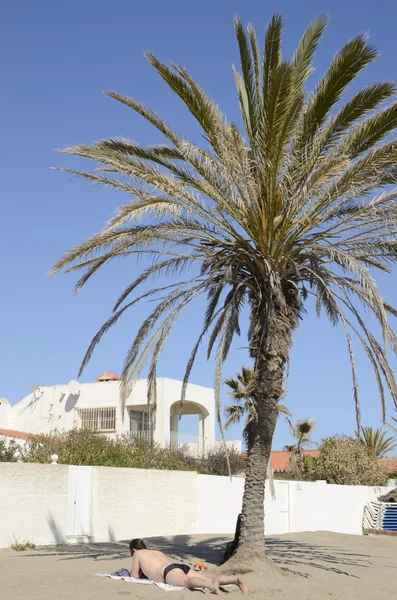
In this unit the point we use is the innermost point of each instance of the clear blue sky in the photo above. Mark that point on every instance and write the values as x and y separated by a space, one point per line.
57 57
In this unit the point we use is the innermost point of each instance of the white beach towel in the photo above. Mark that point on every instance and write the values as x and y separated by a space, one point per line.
163 586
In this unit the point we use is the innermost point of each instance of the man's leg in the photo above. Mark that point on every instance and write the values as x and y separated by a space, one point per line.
233 580
213 583
193 581
204 582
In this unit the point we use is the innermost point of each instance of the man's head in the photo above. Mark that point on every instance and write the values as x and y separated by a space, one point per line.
137 544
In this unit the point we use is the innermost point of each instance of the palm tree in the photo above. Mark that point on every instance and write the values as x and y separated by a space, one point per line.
290 205
300 432
375 441
244 406
244 403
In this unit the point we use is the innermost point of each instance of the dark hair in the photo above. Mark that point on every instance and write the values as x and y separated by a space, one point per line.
137 544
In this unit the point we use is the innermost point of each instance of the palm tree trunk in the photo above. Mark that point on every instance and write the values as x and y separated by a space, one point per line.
252 538
270 345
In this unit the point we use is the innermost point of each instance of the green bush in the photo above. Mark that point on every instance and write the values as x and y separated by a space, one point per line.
344 460
7 450
215 462
85 447
191 461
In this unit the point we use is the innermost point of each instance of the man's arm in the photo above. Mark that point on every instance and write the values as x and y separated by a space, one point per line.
135 569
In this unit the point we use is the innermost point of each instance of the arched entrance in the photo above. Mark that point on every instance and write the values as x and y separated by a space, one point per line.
193 443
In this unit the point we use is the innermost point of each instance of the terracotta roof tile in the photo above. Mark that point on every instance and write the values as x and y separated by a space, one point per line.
108 376
12 433
281 459
389 464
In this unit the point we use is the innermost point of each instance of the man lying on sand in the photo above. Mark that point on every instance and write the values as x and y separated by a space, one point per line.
156 566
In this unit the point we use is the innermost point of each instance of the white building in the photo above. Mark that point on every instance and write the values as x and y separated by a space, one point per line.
96 406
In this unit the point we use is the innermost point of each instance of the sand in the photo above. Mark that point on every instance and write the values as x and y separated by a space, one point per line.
313 566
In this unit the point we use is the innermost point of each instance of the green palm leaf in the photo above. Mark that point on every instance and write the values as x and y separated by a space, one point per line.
375 441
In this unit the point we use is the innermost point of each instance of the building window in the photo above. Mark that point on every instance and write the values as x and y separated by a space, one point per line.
98 419
139 421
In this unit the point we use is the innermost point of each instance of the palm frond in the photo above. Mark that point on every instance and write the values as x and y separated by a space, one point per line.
302 60
298 204
375 441
346 65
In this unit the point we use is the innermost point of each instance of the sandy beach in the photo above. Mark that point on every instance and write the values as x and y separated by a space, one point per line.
313 565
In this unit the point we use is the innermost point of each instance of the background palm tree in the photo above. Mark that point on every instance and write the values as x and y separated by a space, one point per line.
300 431
290 206
375 441
243 407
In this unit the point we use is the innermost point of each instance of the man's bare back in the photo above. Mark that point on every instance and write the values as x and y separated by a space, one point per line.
151 562
158 567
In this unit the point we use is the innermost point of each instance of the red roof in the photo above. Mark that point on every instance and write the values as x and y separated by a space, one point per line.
281 462
108 376
389 464
281 459
18 435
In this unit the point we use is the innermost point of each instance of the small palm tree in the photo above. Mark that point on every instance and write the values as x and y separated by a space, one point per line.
295 203
244 406
375 441
300 432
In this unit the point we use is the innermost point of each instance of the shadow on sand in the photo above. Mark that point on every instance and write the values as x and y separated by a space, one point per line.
293 557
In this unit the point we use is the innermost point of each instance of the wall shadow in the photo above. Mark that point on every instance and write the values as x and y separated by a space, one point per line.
58 534
293 557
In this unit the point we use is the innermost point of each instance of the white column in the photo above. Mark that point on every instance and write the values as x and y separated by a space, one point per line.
208 432
201 439
174 421
122 425
161 429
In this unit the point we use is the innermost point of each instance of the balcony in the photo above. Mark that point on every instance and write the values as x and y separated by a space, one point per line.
141 435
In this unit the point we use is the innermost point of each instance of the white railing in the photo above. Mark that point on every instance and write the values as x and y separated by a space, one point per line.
145 435
199 446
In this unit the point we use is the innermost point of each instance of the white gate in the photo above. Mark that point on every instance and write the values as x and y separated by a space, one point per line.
79 502
283 506
277 511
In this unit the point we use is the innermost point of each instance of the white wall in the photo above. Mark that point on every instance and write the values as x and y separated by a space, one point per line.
339 508
230 444
5 410
219 501
130 503
126 503
33 503
53 407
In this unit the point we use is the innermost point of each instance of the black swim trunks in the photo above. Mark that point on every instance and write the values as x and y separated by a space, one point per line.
182 567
